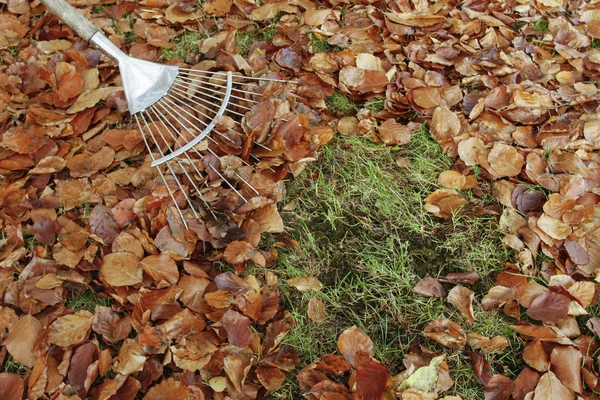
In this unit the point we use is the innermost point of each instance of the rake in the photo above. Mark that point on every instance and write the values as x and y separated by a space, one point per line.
175 109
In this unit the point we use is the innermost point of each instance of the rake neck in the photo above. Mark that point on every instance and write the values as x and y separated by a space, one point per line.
107 47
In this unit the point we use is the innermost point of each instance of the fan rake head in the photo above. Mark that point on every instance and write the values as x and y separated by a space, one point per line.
185 116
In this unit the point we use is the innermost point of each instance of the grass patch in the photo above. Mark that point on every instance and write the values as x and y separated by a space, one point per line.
376 105
98 9
85 300
595 43
319 45
337 102
541 25
13 367
185 44
361 229
518 25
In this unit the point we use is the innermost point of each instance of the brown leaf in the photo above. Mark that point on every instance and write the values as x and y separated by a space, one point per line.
566 364
268 219
219 299
452 180
463 277
168 389
351 342
161 268
462 298
525 383
444 203
550 388
271 378
121 269
21 339
71 329
12 386
103 225
481 367
446 333
45 230
25 139
238 251
499 387
394 133
430 287
549 307
371 380
505 160
69 82
444 125
535 356
108 324
497 297
305 283
131 358
237 327
317 312
426 97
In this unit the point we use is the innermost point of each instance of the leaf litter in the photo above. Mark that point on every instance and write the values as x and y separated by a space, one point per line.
510 90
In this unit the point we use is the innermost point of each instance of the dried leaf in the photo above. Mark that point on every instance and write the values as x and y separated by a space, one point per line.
21 339
353 342
305 283
71 329
446 333
429 287
462 298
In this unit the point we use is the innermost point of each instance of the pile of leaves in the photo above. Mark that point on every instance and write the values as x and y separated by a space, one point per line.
426 373
84 215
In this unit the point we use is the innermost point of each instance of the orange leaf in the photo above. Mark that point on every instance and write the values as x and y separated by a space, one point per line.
352 342
71 329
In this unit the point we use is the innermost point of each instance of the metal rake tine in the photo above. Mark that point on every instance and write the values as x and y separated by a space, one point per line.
213 75
218 173
166 98
161 174
200 84
196 85
188 200
187 156
200 155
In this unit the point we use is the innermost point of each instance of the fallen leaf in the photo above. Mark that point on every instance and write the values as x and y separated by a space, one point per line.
12 386
430 287
549 307
70 330
305 283
446 333
21 339
121 269
371 380
462 298
549 387
317 312
566 365
353 341
237 327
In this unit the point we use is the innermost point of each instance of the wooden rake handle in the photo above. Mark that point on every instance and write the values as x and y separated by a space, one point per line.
70 16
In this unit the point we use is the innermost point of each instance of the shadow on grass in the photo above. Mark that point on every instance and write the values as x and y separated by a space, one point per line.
361 230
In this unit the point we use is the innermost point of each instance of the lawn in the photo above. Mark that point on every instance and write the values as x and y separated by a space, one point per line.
358 224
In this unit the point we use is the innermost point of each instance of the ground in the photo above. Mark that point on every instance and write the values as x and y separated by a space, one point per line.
360 228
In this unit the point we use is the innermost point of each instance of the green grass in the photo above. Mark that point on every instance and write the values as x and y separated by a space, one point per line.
376 105
518 25
595 43
85 300
541 25
337 102
98 9
13 367
362 231
319 45
185 44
